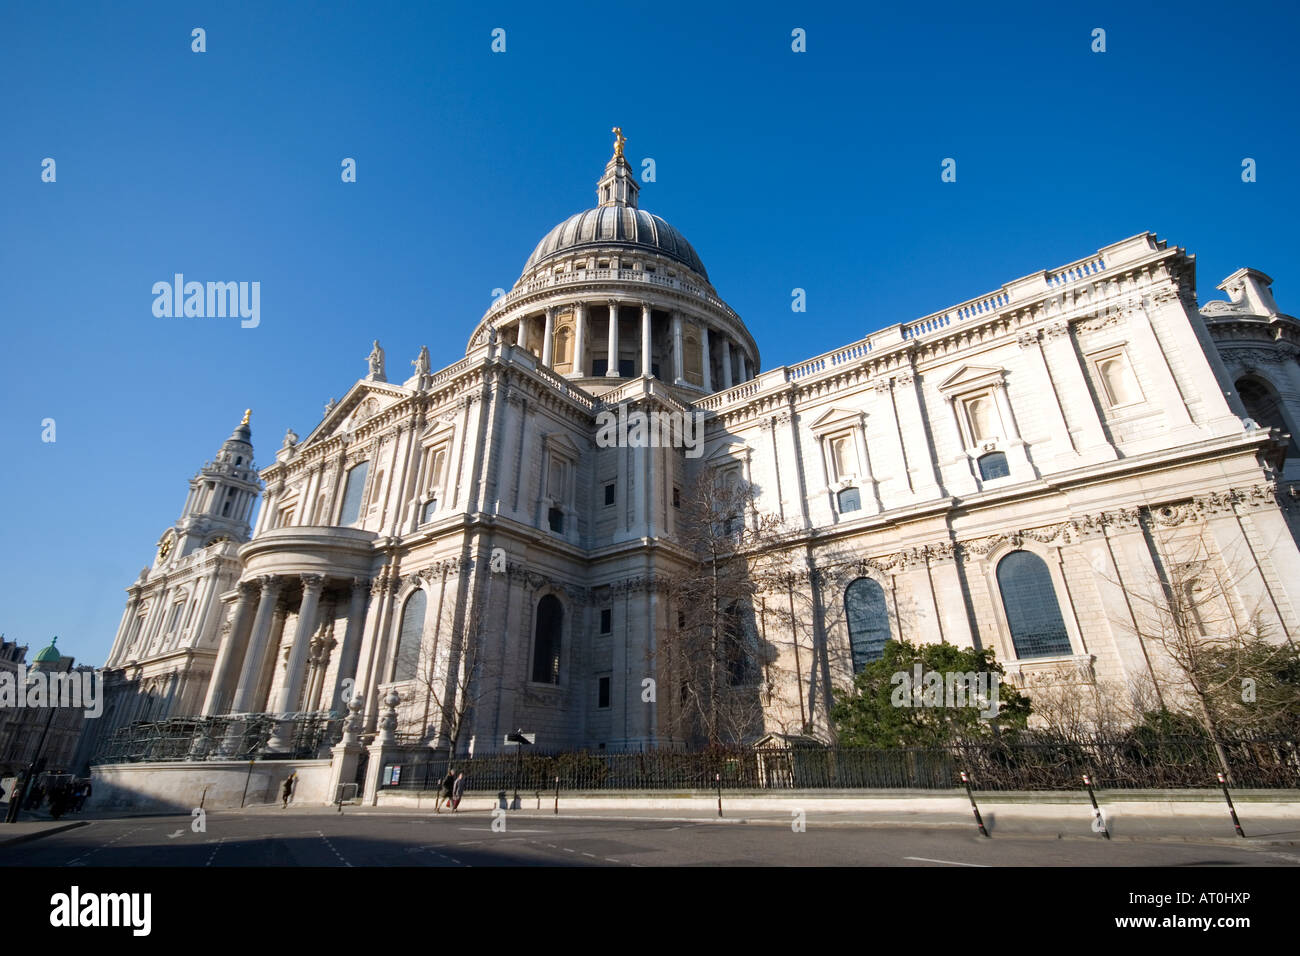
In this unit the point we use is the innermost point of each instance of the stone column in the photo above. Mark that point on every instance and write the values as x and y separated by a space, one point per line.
612 368
231 653
1016 457
1058 348
959 479
740 358
261 700
925 481
350 652
706 371
377 620
580 339
548 337
312 585
1058 431
249 673
646 364
678 377
726 363
1147 345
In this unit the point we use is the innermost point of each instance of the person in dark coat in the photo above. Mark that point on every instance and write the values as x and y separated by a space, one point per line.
287 790
444 792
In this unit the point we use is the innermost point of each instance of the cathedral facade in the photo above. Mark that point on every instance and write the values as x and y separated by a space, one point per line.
459 549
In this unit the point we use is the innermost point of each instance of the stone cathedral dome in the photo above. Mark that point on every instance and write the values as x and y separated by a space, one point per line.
615 226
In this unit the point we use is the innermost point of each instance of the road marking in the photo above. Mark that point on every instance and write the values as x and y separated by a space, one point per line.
213 855
926 859
332 848
76 860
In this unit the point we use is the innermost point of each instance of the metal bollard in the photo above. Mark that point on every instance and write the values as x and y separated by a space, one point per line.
1099 820
1223 782
978 819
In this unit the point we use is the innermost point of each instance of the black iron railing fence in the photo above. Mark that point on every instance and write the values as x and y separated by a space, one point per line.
229 737
1165 763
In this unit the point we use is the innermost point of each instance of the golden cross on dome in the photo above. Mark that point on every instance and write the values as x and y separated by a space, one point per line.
619 140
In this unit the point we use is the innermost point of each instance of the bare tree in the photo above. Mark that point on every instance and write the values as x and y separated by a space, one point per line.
448 680
1220 665
715 658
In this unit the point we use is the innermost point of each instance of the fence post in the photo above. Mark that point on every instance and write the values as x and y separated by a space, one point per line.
971 794
557 795
1223 782
718 777
1099 820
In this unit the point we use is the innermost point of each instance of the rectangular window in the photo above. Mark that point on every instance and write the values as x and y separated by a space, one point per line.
556 519
606 620
677 497
602 693
850 500
609 493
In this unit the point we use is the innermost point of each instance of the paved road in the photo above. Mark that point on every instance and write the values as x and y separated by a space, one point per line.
265 838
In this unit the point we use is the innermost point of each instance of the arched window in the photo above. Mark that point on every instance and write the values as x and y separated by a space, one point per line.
691 358
982 418
842 457
546 644
412 633
741 669
993 465
1117 378
352 492
1037 628
868 617
1264 406
849 500
560 348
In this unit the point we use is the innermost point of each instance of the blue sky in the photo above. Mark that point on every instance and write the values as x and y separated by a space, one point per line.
817 170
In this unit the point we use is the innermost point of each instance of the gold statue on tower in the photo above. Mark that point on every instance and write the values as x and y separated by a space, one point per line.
619 140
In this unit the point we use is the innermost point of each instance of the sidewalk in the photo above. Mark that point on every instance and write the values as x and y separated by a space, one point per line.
24 830
1177 816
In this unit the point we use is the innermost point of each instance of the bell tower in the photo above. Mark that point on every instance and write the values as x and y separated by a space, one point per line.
220 501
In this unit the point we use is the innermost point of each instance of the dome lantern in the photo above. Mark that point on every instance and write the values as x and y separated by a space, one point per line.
618 186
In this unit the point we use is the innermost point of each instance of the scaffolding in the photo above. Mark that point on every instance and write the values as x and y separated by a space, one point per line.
227 737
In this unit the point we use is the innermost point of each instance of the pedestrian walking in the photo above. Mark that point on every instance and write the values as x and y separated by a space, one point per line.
457 791
444 792
287 790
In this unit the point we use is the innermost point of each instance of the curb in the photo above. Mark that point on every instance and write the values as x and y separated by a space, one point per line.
24 838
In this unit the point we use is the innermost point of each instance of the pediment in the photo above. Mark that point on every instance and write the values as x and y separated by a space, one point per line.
561 442
363 401
971 376
837 417
730 448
